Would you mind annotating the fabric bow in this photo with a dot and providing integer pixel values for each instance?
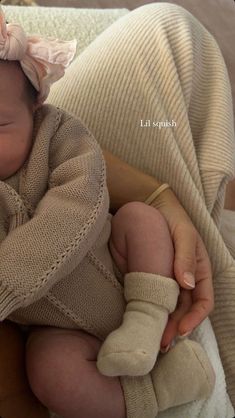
(43, 60)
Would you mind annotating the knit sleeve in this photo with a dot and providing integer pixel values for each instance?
(65, 225)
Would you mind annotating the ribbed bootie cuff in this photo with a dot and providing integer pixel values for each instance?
(153, 288)
(140, 397)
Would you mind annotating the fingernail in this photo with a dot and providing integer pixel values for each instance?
(184, 335)
(165, 349)
(189, 279)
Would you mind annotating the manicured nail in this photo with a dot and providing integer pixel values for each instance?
(189, 279)
(184, 335)
(165, 349)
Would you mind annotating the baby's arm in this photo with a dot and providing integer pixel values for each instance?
(66, 222)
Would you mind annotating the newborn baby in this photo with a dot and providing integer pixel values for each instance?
(56, 240)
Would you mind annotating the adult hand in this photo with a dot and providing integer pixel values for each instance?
(195, 302)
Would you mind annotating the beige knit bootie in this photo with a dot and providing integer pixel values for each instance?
(133, 348)
(182, 375)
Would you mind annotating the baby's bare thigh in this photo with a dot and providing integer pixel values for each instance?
(48, 338)
(57, 361)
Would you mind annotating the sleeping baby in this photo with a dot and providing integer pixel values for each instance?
(66, 263)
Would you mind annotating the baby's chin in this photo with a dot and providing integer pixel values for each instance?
(6, 176)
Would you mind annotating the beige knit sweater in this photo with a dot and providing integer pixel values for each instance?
(54, 230)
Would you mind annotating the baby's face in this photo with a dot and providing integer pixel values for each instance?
(16, 120)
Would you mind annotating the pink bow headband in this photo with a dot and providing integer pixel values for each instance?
(43, 60)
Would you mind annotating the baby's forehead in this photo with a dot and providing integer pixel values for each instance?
(6, 65)
(11, 79)
(10, 68)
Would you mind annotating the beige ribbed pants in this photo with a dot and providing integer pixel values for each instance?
(158, 64)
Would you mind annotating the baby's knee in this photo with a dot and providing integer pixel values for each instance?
(130, 224)
(135, 217)
(164, 13)
(163, 8)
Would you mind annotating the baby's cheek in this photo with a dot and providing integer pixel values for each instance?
(13, 153)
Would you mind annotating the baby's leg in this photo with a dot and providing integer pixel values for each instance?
(142, 248)
(140, 240)
(63, 375)
(62, 372)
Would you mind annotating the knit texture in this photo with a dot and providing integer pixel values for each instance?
(133, 348)
(160, 290)
(49, 226)
(159, 63)
(137, 405)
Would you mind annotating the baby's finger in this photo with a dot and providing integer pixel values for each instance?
(200, 308)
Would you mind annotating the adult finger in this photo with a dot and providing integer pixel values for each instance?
(172, 328)
(185, 242)
(202, 294)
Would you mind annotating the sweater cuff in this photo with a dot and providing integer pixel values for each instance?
(139, 395)
(9, 302)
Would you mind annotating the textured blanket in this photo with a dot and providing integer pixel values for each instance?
(19, 2)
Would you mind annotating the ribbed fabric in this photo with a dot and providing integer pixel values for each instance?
(159, 63)
(227, 229)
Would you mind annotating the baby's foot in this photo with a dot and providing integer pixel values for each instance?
(182, 375)
(133, 348)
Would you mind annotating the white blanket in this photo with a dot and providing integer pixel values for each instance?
(218, 405)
